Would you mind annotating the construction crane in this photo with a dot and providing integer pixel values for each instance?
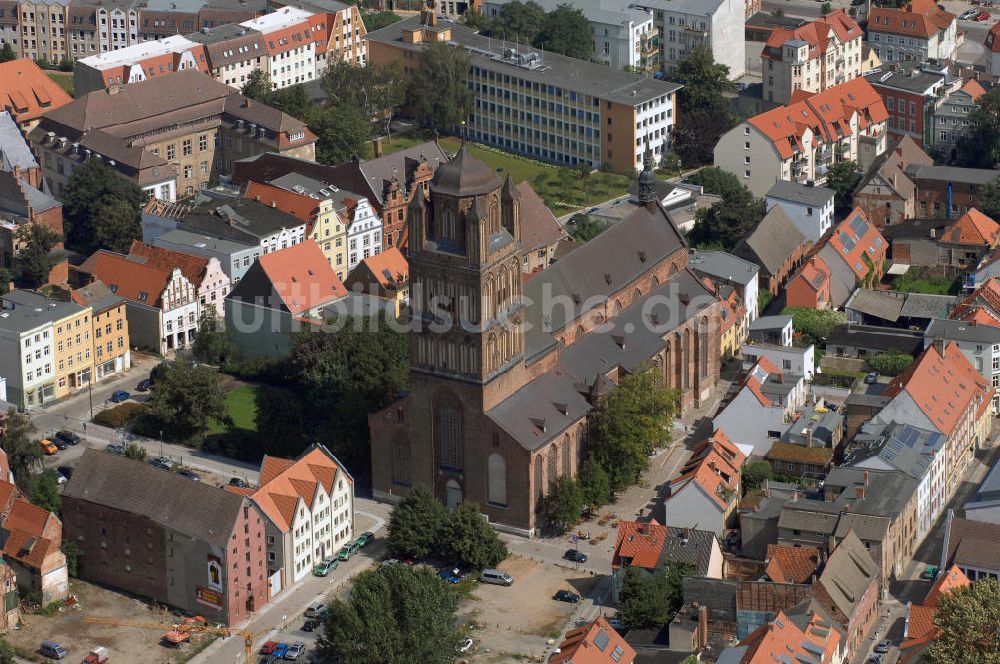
(196, 625)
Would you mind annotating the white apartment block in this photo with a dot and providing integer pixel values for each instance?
(800, 142)
(364, 231)
(918, 32)
(813, 57)
(27, 355)
(135, 63)
(684, 24)
(117, 27)
(290, 44)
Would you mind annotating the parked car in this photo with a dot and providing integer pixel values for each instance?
(98, 655)
(115, 448)
(61, 479)
(871, 378)
(316, 609)
(52, 649)
(466, 646)
(295, 650)
(70, 437)
(348, 550)
(968, 15)
(238, 482)
(268, 647)
(883, 646)
(983, 16)
(47, 446)
(310, 624)
(449, 576)
(496, 577)
(929, 573)
(567, 596)
(60, 443)
(365, 537)
(190, 474)
(576, 556)
(65, 471)
(325, 567)
(279, 651)
(144, 385)
(119, 396)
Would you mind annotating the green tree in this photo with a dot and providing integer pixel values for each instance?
(7, 53)
(705, 82)
(258, 85)
(567, 31)
(754, 474)
(375, 90)
(584, 228)
(651, 600)
(989, 199)
(19, 442)
(342, 132)
(563, 505)
(476, 20)
(416, 523)
(815, 324)
(213, 343)
(825, 8)
(7, 654)
(186, 397)
(729, 220)
(629, 423)
(280, 421)
(967, 620)
(34, 258)
(6, 276)
(134, 450)
(694, 140)
(438, 91)
(595, 485)
(292, 100)
(719, 182)
(101, 210)
(519, 22)
(467, 539)
(980, 145)
(378, 20)
(395, 615)
(71, 550)
(892, 363)
(843, 178)
(45, 491)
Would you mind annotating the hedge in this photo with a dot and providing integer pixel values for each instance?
(120, 415)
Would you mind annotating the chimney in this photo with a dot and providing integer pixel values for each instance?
(377, 147)
(809, 436)
(866, 478)
(939, 345)
(702, 627)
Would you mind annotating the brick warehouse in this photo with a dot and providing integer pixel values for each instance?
(498, 410)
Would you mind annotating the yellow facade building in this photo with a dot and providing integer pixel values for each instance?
(109, 329)
(74, 357)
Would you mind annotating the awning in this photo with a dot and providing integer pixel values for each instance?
(897, 269)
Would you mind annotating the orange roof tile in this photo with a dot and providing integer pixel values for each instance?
(301, 206)
(987, 297)
(127, 278)
(993, 38)
(756, 378)
(389, 267)
(943, 387)
(921, 18)
(714, 465)
(972, 228)
(284, 482)
(854, 239)
(973, 87)
(192, 267)
(953, 578)
(27, 92)
(27, 517)
(780, 637)
(26, 548)
(789, 564)
(920, 628)
(302, 277)
(814, 273)
(639, 541)
(816, 33)
(587, 645)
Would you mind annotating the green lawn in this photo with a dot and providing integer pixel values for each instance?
(918, 281)
(241, 404)
(63, 80)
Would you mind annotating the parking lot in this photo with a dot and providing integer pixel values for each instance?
(519, 621)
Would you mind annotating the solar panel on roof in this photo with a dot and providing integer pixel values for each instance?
(847, 241)
(601, 640)
(859, 226)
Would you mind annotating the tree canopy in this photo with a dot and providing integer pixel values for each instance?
(815, 324)
(843, 178)
(704, 80)
(258, 85)
(651, 600)
(375, 90)
(183, 398)
(34, 259)
(7, 53)
(415, 524)
(694, 139)
(563, 505)
(394, 615)
(213, 343)
(731, 219)
(342, 131)
(468, 540)
(438, 91)
(101, 210)
(969, 623)
(980, 146)
(519, 22)
(567, 31)
(23, 453)
(45, 491)
(989, 199)
(378, 20)
(629, 423)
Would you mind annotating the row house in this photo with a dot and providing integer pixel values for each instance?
(913, 96)
(809, 207)
(980, 343)
(707, 492)
(725, 269)
(811, 58)
(803, 636)
(127, 127)
(777, 246)
(234, 255)
(919, 31)
(31, 543)
(161, 303)
(112, 351)
(961, 245)
(801, 141)
(851, 254)
(763, 407)
(386, 276)
(942, 392)
(919, 626)
(952, 123)
(158, 535)
(205, 274)
(887, 194)
(291, 45)
(948, 191)
(308, 508)
(848, 588)
(246, 222)
(138, 62)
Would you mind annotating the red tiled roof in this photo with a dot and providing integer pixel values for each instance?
(127, 278)
(302, 277)
(715, 465)
(192, 267)
(790, 564)
(754, 382)
(816, 33)
(814, 273)
(583, 645)
(986, 297)
(972, 228)
(640, 541)
(389, 268)
(973, 87)
(943, 387)
(993, 38)
(953, 578)
(279, 495)
(778, 638)
(852, 246)
(920, 628)
(27, 92)
(301, 206)
(25, 527)
(921, 18)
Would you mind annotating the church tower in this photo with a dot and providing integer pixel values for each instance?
(465, 273)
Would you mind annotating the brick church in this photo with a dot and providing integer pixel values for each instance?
(504, 372)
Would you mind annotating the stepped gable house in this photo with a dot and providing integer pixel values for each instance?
(497, 410)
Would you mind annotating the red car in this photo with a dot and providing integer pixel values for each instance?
(984, 16)
(268, 647)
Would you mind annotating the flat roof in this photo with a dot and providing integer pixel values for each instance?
(800, 193)
(137, 52)
(580, 76)
(283, 18)
(26, 310)
(724, 266)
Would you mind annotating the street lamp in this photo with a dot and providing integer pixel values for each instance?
(161, 443)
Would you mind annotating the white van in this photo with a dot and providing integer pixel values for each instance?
(496, 577)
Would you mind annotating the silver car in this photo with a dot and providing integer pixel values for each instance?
(295, 650)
